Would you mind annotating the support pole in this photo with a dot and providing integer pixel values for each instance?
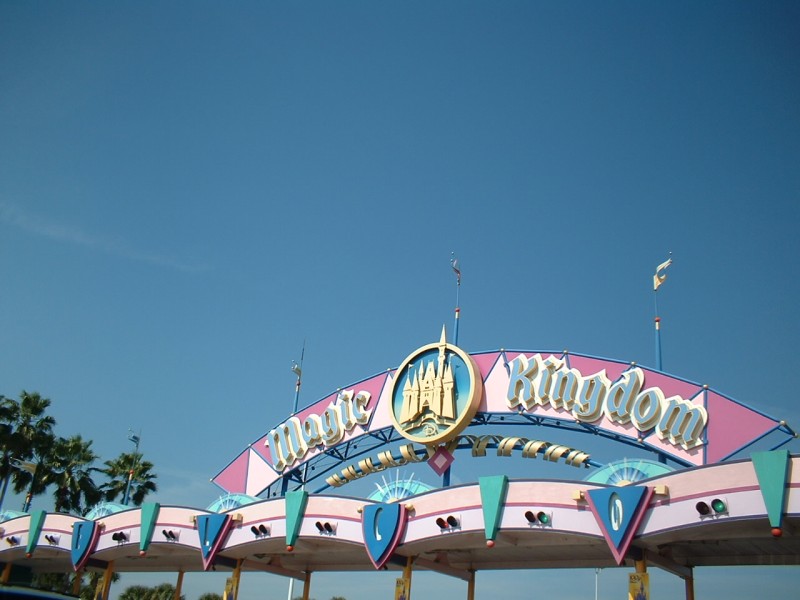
(641, 565)
(135, 439)
(104, 585)
(307, 585)
(689, 586)
(659, 278)
(457, 271)
(407, 576)
(237, 575)
(471, 585)
(76, 583)
(178, 586)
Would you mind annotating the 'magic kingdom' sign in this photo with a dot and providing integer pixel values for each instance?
(439, 390)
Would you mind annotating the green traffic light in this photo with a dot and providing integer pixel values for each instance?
(543, 518)
(718, 505)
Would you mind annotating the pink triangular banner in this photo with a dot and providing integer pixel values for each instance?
(233, 479)
(732, 426)
(259, 474)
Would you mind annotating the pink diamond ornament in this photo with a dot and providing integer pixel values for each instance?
(441, 460)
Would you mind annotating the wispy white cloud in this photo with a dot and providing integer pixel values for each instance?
(58, 232)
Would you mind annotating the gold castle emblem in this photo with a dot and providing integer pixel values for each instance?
(430, 393)
(435, 394)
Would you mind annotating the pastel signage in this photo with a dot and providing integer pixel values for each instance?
(538, 381)
(439, 390)
(435, 393)
(292, 439)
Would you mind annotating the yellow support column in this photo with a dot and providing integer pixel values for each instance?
(307, 585)
(641, 565)
(104, 585)
(689, 585)
(640, 579)
(407, 576)
(76, 583)
(178, 586)
(237, 574)
(6, 573)
(471, 585)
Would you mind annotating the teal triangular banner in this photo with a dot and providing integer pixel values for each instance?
(84, 537)
(772, 471)
(295, 511)
(493, 499)
(35, 530)
(618, 511)
(212, 530)
(149, 517)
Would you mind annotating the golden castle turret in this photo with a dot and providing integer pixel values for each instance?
(430, 391)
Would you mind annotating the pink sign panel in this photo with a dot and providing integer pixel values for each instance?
(674, 417)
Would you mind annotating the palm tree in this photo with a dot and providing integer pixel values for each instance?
(7, 416)
(27, 434)
(128, 466)
(164, 591)
(69, 469)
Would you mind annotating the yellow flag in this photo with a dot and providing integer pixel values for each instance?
(660, 275)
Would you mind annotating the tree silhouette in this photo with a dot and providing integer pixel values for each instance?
(128, 465)
(69, 469)
(165, 591)
(27, 435)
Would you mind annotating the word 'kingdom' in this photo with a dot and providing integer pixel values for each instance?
(539, 382)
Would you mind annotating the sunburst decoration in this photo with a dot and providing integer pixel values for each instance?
(398, 488)
(104, 509)
(229, 501)
(628, 470)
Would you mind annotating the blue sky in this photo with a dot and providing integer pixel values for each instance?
(188, 191)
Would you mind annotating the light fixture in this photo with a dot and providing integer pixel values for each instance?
(326, 527)
(121, 536)
(713, 508)
(539, 517)
(260, 531)
(448, 523)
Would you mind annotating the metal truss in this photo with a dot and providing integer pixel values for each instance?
(325, 463)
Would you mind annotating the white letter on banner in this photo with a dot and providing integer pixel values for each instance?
(591, 395)
(682, 422)
(646, 410)
(622, 394)
(520, 384)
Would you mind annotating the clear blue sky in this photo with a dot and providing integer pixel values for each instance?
(188, 191)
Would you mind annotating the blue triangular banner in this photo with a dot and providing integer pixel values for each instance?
(383, 526)
(618, 511)
(84, 537)
(212, 530)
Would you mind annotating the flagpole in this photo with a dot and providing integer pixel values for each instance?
(457, 271)
(659, 278)
(297, 370)
(657, 322)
